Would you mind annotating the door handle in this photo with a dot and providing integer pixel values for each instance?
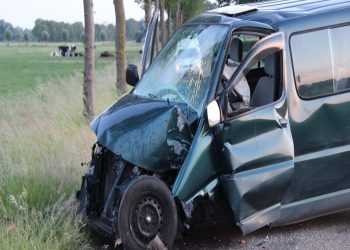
(283, 122)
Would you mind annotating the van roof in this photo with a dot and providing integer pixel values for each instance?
(276, 11)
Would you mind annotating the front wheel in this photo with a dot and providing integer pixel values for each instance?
(147, 209)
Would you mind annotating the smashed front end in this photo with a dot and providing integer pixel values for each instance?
(154, 151)
(135, 137)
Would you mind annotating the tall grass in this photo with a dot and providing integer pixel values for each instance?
(44, 138)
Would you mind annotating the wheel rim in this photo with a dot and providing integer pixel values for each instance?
(146, 219)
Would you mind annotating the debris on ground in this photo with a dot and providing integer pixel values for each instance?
(117, 243)
(244, 242)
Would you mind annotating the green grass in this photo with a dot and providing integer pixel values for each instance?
(24, 66)
(44, 139)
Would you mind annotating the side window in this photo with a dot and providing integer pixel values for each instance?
(320, 61)
(248, 42)
(240, 46)
(255, 88)
(340, 39)
(265, 83)
(312, 61)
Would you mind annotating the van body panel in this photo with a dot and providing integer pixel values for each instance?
(200, 166)
(257, 154)
(255, 195)
(313, 207)
(313, 21)
(320, 127)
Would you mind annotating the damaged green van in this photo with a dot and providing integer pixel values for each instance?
(244, 115)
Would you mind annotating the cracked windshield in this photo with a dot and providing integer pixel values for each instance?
(182, 71)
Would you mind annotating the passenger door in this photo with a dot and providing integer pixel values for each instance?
(256, 150)
(149, 48)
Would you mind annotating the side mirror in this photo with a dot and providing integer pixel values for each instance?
(132, 75)
(213, 113)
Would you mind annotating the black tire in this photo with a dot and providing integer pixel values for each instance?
(147, 209)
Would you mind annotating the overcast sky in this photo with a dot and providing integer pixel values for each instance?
(23, 13)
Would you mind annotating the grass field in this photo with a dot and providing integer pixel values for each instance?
(25, 66)
(44, 139)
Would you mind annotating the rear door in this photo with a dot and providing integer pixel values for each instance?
(320, 121)
(149, 48)
(256, 149)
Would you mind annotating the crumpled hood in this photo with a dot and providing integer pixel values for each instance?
(152, 134)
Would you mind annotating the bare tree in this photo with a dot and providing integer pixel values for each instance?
(156, 6)
(171, 8)
(120, 45)
(169, 24)
(148, 10)
(162, 22)
(178, 16)
(89, 60)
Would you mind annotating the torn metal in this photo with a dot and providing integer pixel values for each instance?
(152, 134)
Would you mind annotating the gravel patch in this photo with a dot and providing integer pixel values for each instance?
(329, 232)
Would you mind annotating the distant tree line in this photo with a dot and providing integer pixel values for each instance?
(179, 12)
(174, 13)
(52, 31)
(9, 33)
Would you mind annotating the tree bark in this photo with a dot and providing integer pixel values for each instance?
(120, 46)
(162, 22)
(181, 17)
(148, 14)
(178, 16)
(169, 24)
(88, 97)
(156, 5)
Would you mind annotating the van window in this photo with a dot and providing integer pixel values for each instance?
(320, 61)
(312, 63)
(340, 39)
(248, 42)
(239, 48)
(254, 88)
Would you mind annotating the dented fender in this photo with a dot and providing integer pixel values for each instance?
(150, 133)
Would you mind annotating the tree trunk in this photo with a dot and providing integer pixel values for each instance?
(88, 98)
(169, 24)
(181, 17)
(156, 5)
(148, 9)
(162, 22)
(178, 16)
(120, 45)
